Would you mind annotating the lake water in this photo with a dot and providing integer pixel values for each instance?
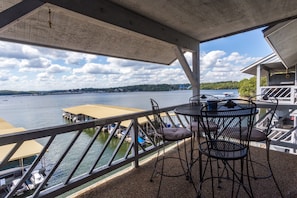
(32, 112)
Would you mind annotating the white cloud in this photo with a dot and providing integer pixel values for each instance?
(209, 59)
(225, 67)
(29, 67)
(35, 64)
(30, 51)
(95, 68)
(9, 63)
(57, 69)
(4, 77)
(72, 58)
(44, 77)
(89, 57)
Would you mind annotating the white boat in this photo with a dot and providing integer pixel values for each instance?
(36, 177)
(228, 94)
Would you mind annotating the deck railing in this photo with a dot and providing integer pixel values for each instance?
(285, 94)
(81, 156)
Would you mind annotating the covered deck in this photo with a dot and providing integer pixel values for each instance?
(152, 31)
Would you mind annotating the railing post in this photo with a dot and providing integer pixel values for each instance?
(135, 164)
(292, 95)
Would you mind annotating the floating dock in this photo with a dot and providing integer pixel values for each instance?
(98, 111)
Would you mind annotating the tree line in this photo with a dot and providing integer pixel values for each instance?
(245, 87)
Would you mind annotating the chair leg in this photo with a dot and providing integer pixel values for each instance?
(155, 166)
(247, 171)
(185, 170)
(270, 168)
(211, 175)
(184, 163)
(252, 164)
(155, 171)
(161, 175)
(202, 172)
(188, 163)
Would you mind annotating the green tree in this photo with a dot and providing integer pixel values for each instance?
(247, 87)
(263, 81)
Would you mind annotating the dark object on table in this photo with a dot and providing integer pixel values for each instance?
(230, 104)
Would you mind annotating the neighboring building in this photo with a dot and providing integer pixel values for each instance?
(282, 84)
(281, 81)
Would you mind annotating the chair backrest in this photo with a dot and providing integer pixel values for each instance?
(197, 99)
(264, 124)
(157, 122)
(234, 119)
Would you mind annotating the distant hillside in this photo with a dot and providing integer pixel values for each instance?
(134, 88)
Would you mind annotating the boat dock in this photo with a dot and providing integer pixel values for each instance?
(98, 111)
(12, 171)
(28, 148)
(95, 111)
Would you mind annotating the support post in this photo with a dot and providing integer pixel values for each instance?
(196, 70)
(295, 82)
(258, 80)
(194, 77)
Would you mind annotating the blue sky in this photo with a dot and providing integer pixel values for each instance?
(24, 67)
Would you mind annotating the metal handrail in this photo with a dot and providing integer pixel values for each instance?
(134, 152)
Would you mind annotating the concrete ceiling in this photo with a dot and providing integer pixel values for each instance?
(145, 30)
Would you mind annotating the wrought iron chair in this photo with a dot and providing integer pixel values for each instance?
(172, 134)
(260, 133)
(194, 125)
(232, 116)
(200, 100)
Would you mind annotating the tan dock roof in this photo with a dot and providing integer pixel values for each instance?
(4, 124)
(99, 111)
(27, 149)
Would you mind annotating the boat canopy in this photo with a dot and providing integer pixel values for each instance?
(98, 111)
(27, 149)
(5, 125)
